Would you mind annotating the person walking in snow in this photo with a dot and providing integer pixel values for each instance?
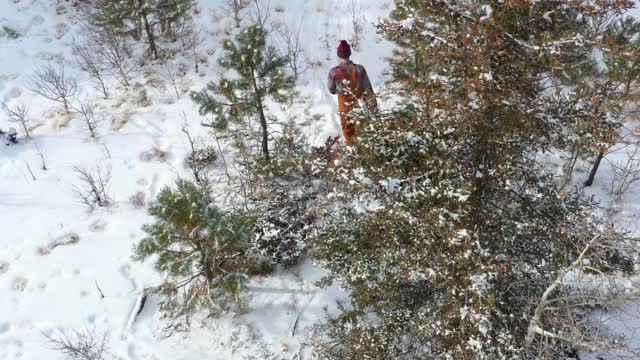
(351, 83)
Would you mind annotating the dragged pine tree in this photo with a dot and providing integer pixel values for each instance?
(203, 250)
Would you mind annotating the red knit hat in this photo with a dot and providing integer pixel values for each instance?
(344, 50)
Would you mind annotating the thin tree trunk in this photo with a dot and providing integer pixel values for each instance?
(592, 175)
(263, 119)
(104, 89)
(123, 75)
(570, 165)
(206, 262)
(31, 172)
(152, 40)
(236, 16)
(149, 31)
(26, 130)
(263, 124)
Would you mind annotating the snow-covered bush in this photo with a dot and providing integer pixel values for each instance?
(138, 200)
(200, 159)
(281, 229)
(203, 250)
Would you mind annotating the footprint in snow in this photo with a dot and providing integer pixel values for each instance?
(19, 283)
(4, 267)
(4, 327)
(37, 20)
(98, 225)
(142, 182)
(61, 30)
(13, 93)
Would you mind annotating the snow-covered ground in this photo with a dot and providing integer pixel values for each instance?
(41, 290)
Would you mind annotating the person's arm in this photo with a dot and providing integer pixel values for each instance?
(365, 84)
(331, 81)
(370, 95)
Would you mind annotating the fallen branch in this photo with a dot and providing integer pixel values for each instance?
(31, 172)
(534, 324)
(295, 324)
(98, 287)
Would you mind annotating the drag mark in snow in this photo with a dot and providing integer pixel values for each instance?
(137, 308)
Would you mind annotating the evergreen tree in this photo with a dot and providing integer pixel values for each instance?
(462, 236)
(134, 16)
(202, 248)
(261, 74)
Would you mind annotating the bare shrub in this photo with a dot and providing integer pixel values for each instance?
(358, 21)
(115, 53)
(90, 120)
(18, 114)
(85, 344)
(88, 57)
(261, 12)
(626, 174)
(192, 40)
(169, 74)
(93, 191)
(41, 155)
(138, 200)
(54, 84)
(198, 159)
(153, 154)
(298, 61)
(235, 7)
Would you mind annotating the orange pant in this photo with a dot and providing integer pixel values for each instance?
(346, 104)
